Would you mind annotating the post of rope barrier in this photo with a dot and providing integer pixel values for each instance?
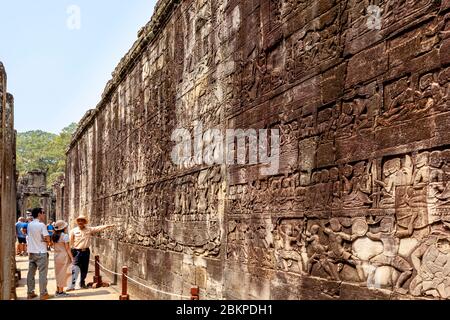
(97, 276)
(98, 282)
(195, 293)
(124, 295)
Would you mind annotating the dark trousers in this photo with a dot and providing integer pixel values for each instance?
(81, 259)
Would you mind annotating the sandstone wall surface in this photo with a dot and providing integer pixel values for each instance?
(7, 191)
(359, 207)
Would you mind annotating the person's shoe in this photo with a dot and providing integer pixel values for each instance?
(62, 294)
(84, 286)
(45, 297)
(31, 296)
(70, 289)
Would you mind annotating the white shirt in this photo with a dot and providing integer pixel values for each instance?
(64, 238)
(82, 237)
(36, 232)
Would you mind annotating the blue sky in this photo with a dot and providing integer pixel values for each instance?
(57, 73)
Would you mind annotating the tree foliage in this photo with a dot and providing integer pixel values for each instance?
(44, 151)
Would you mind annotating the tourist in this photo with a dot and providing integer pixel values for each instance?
(80, 241)
(63, 257)
(21, 237)
(50, 229)
(25, 225)
(38, 240)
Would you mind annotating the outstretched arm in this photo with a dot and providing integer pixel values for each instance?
(102, 228)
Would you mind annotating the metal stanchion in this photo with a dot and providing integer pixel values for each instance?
(97, 282)
(195, 293)
(124, 295)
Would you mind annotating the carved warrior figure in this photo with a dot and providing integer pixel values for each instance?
(394, 175)
(285, 252)
(390, 238)
(439, 174)
(431, 259)
(398, 108)
(312, 192)
(345, 120)
(336, 201)
(319, 253)
(436, 172)
(324, 188)
(360, 187)
(416, 194)
(337, 252)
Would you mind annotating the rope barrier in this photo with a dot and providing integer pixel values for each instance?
(141, 284)
(159, 291)
(107, 270)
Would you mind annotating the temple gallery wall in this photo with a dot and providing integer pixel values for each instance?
(8, 179)
(360, 206)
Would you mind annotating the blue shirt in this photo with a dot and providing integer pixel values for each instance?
(19, 226)
(50, 229)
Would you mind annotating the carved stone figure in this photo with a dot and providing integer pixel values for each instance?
(336, 188)
(319, 253)
(360, 187)
(390, 238)
(337, 252)
(394, 175)
(431, 260)
(285, 252)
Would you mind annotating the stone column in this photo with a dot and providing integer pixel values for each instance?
(7, 190)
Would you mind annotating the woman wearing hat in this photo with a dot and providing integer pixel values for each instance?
(63, 257)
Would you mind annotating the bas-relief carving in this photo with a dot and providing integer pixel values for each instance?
(406, 101)
(198, 45)
(161, 224)
(316, 43)
(365, 252)
(393, 9)
(369, 222)
(390, 10)
(431, 260)
(375, 222)
(353, 115)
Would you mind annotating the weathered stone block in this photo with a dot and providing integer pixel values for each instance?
(367, 65)
(332, 84)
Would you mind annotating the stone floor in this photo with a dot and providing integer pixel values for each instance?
(107, 293)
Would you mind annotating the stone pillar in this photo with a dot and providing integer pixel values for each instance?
(58, 192)
(7, 190)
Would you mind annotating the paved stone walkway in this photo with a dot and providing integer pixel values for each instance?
(108, 293)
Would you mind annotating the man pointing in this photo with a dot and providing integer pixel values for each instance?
(80, 241)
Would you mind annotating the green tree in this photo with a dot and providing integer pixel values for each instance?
(44, 151)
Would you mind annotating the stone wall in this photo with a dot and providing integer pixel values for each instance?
(7, 191)
(32, 192)
(58, 197)
(359, 206)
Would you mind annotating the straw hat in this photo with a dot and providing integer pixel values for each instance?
(60, 225)
(82, 217)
